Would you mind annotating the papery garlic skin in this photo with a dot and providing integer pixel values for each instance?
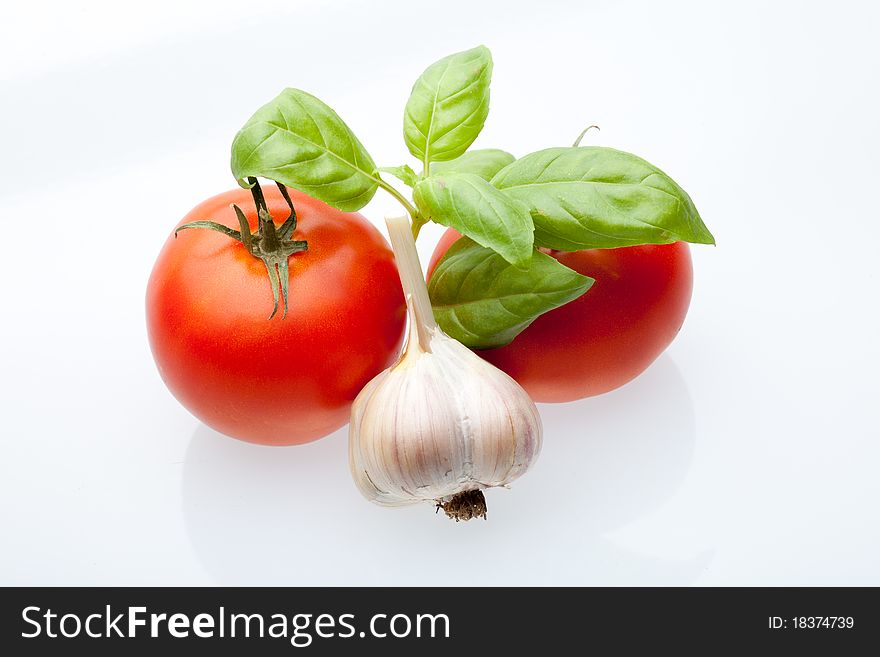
(441, 421)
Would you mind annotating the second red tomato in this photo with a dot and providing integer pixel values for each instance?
(608, 336)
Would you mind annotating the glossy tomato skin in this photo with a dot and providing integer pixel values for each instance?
(279, 381)
(606, 337)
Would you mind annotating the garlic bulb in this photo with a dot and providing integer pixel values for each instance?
(441, 424)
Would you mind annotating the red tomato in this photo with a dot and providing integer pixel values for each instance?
(279, 381)
(606, 337)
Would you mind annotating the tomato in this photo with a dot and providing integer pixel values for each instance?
(286, 380)
(606, 337)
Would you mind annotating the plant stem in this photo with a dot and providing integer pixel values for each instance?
(410, 208)
(417, 224)
(412, 279)
(577, 142)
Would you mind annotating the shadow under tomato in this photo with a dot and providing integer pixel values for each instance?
(291, 515)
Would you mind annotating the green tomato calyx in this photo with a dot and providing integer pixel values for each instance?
(269, 243)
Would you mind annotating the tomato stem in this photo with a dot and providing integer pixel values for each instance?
(259, 201)
(270, 243)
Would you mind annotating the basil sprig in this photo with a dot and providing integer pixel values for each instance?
(494, 282)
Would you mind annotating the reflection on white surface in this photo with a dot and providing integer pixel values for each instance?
(629, 450)
(263, 515)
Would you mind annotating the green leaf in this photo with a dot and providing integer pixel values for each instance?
(404, 173)
(484, 162)
(300, 142)
(448, 106)
(594, 197)
(484, 302)
(473, 207)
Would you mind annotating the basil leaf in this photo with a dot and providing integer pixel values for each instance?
(482, 301)
(300, 142)
(404, 174)
(473, 207)
(448, 105)
(593, 197)
(484, 162)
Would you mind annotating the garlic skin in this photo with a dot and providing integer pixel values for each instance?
(441, 422)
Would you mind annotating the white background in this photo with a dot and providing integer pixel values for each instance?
(748, 454)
